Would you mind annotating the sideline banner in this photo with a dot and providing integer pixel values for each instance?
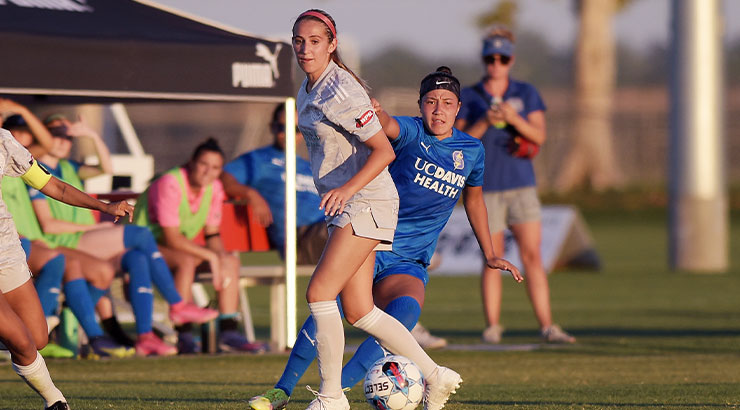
(565, 242)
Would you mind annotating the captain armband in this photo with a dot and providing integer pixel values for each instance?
(36, 176)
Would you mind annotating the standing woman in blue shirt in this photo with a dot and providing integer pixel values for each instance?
(349, 156)
(506, 115)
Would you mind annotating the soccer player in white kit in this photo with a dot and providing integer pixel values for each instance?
(23, 327)
(349, 155)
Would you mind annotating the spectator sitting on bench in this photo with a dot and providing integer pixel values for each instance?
(259, 177)
(176, 207)
(139, 256)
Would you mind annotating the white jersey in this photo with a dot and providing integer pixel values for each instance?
(336, 118)
(15, 161)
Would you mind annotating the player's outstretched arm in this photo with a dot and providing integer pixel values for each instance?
(68, 194)
(475, 208)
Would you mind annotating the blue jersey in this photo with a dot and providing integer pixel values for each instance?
(430, 176)
(264, 170)
(503, 171)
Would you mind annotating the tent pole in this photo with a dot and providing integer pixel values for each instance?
(290, 221)
(127, 129)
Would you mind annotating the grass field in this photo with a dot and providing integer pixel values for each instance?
(647, 338)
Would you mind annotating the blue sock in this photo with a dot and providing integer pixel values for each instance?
(407, 310)
(95, 293)
(141, 238)
(78, 299)
(49, 284)
(139, 288)
(302, 355)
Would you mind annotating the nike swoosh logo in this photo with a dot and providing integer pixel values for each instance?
(442, 82)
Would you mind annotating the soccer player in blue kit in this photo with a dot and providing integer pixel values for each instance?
(435, 164)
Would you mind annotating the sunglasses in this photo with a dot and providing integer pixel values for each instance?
(504, 60)
(60, 131)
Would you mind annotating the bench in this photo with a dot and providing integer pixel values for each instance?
(240, 232)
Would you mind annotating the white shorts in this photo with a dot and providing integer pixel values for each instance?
(13, 276)
(376, 220)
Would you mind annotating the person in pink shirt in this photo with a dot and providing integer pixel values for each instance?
(179, 205)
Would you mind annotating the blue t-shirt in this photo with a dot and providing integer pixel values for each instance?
(264, 170)
(430, 176)
(57, 172)
(503, 171)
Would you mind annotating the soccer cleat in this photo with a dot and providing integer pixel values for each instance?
(233, 341)
(427, 340)
(493, 333)
(554, 334)
(273, 399)
(186, 343)
(103, 346)
(438, 387)
(59, 405)
(53, 350)
(148, 344)
(322, 402)
(185, 312)
(113, 328)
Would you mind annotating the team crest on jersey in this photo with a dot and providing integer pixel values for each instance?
(516, 103)
(363, 119)
(457, 157)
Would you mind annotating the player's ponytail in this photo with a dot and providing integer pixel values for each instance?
(331, 32)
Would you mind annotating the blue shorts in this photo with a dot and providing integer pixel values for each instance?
(388, 263)
(26, 244)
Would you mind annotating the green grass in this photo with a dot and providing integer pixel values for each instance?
(648, 338)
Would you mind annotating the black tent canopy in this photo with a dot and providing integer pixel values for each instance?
(125, 50)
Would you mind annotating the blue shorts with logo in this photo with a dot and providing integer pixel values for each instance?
(389, 263)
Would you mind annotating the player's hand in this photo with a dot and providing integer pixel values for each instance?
(508, 112)
(9, 106)
(503, 264)
(495, 115)
(334, 201)
(119, 209)
(376, 105)
(261, 210)
(80, 128)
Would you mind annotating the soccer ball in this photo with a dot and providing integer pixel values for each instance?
(394, 383)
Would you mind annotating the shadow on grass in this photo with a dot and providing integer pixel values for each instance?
(607, 331)
(550, 404)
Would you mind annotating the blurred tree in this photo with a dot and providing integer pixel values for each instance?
(591, 156)
(504, 13)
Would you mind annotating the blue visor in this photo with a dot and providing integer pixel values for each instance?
(497, 45)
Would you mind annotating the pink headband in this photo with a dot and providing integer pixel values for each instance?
(320, 17)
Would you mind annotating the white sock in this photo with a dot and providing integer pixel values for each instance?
(329, 346)
(37, 376)
(394, 336)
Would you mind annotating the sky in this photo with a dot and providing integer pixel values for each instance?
(431, 27)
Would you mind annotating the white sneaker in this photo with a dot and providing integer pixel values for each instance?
(554, 334)
(427, 340)
(439, 387)
(322, 402)
(493, 333)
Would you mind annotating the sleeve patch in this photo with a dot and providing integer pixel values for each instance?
(365, 118)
